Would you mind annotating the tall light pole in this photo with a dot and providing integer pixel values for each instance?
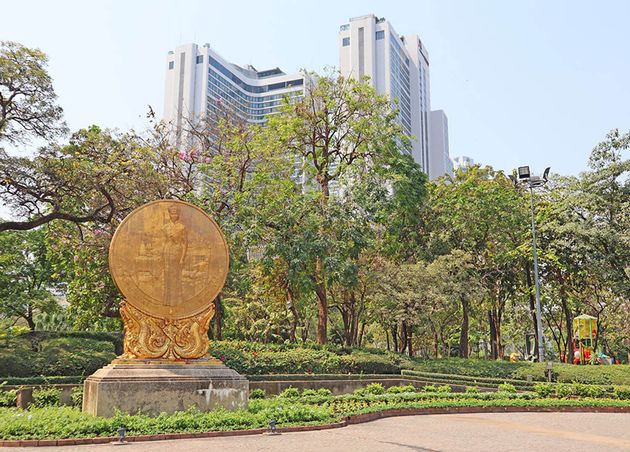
(532, 182)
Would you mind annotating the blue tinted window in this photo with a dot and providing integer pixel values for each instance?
(199, 59)
(380, 35)
(345, 42)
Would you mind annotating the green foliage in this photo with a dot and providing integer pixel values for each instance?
(401, 389)
(472, 390)
(55, 356)
(622, 392)
(65, 422)
(290, 393)
(375, 388)
(507, 387)
(29, 107)
(429, 388)
(257, 394)
(324, 392)
(444, 388)
(77, 396)
(44, 397)
(309, 393)
(254, 358)
(7, 397)
(544, 389)
(500, 371)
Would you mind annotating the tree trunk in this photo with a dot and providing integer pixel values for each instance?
(493, 344)
(463, 334)
(320, 286)
(322, 304)
(395, 337)
(361, 331)
(410, 341)
(495, 333)
(29, 318)
(294, 315)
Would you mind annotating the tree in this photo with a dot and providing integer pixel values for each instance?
(25, 276)
(339, 122)
(98, 176)
(27, 99)
(479, 212)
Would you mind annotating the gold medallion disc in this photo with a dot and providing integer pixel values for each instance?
(169, 259)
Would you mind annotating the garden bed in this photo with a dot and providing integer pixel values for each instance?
(309, 408)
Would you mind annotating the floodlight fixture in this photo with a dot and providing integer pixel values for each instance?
(523, 172)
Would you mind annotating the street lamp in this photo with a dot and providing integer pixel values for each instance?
(525, 177)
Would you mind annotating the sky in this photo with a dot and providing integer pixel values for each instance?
(533, 82)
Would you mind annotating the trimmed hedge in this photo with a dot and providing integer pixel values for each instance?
(563, 373)
(255, 359)
(465, 380)
(43, 380)
(24, 356)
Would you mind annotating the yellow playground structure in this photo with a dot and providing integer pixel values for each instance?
(584, 339)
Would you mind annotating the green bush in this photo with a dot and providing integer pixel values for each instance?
(257, 394)
(77, 396)
(472, 389)
(506, 387)
(622, 392)
(70, 356)
(8, 398)
(444, 388)
(429, 388)
(544, 389)
(375, 388)
(565, 373)
(324, 392)
(401, 389)
(42, 379)
(46, 397)
(309, 393)
(290, 393)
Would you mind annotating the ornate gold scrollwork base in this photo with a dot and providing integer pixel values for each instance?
(148, 337)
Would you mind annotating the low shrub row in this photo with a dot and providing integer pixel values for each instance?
(255, 359)
(67, 356)
(44, 380)
(467, 380)
(562, 390)
(505, 370)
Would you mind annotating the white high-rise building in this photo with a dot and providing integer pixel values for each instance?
(439, 160)
(198, 79)
(399, 67)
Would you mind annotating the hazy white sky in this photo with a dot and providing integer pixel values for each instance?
(522, 82)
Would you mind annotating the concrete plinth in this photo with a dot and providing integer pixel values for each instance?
(154, 386)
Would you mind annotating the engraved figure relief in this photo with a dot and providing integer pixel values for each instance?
(174, 253)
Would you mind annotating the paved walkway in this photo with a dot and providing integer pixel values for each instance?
(494, 432)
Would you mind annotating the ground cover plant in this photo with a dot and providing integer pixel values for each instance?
(292, 407)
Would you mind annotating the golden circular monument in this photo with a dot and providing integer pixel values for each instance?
(170, 260)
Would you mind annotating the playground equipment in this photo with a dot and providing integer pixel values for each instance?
(584, 338)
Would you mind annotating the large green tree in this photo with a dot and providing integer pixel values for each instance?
(28, 105)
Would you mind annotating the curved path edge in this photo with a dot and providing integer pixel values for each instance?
(349, 420)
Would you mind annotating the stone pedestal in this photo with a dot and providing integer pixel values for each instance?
(156, 386)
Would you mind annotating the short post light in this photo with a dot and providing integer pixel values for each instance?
(122, 431)
(525, 177)
(273, 428)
